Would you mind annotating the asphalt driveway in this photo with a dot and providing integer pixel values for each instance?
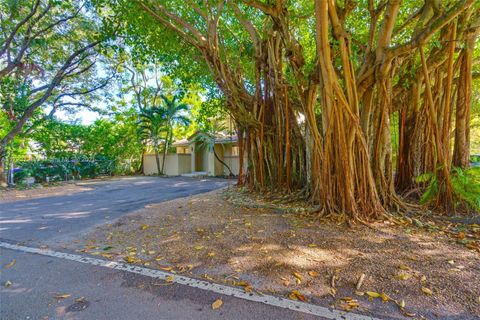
(53, 220)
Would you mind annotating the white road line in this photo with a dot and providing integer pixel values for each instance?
(195, 283)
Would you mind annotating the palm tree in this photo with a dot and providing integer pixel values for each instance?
(173, 109)
(206, 138)
(152, 123)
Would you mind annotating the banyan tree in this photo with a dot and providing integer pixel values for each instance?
(344, 102)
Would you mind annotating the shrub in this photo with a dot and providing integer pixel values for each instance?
(465, 185)
(57, 169)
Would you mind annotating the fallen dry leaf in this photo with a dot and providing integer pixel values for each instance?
(10, 264)
(384, 297)
(186, 268)
(206, 276)
(198, 247)
(333, 292)
(298, 277)
(62, 296)
(349, 303)
(107, 255)
(169, 279)
(403, 267)
(130, 259)
(312, 273)
(427, 291)
(360, 281)
(246, 286)
(169, 268)
(296, 295)
(402, 276)
(372, 294)
(217, 304)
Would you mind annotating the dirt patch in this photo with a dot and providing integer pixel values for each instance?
(410, 271)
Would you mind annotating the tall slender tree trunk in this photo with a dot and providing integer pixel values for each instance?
(444, 195)
(461, 151)
(241, 155)
(3, 178)
(165, 150)
(157, 155)
(142, 161)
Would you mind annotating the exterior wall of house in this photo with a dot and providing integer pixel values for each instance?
(190, 158)
(175, 164)
(183, 149)
(232, 159)
(184, 163)
(234, 163)
(201, 159)
(218, 168)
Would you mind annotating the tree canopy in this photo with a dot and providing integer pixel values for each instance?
(353, 72)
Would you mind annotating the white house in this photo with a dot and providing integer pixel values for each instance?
(191, 159)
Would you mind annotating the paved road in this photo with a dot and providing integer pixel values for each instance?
(56, 219)
(110, 294)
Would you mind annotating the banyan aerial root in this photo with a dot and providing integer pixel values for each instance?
(347, 101)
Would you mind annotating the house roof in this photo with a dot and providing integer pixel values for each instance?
(220, 138)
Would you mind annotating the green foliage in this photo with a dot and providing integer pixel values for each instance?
(114, 141)
(175, 114)
(58, 170)
(49, 61)
(151, 125)
(213, 108)
(465, 184)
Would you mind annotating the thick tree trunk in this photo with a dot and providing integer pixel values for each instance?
(408, 155)
(381, 160)
(347, 181)
(3, 177)
(461, 151)
(241, 154)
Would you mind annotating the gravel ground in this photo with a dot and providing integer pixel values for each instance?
(409, 271)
